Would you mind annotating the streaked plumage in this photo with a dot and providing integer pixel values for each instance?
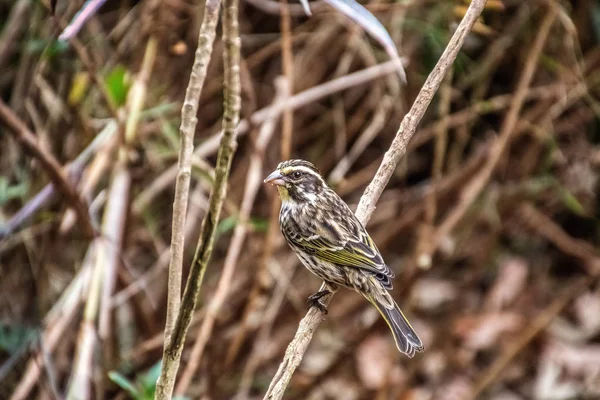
(333, 244)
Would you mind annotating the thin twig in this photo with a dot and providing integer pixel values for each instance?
(424, 249)
(366, 207)
(44, 195)
(13, 27)
(263, 282)
(366, 137)
(56, 323)
(288, 71)
(308, 96)
(308, 325)
(546, 227)
(476, 185)
(541, 321)
(51, 166)
(232, 103)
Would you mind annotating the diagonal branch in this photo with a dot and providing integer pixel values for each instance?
(474, 187)
(297, 347)
(51, 166)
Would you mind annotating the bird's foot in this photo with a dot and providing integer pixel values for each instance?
(315, 300)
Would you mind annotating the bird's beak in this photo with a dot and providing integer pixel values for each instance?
(275, 178)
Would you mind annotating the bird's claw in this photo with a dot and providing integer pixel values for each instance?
(315, 301)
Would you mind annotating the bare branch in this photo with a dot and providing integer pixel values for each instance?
(296, 349)
(413, 117)
(474, 187)
(51, 166)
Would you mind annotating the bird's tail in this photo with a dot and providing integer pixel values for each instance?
(405, 336)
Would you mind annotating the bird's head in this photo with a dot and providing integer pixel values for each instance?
(297, 181)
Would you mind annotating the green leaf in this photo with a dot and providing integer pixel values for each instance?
(551, 64)
(125, 384)
(118, 84)
(13, 337)
(10, 192)
(260, 224)
(226, 225)
(171, 134)
(48, 48)
(596, 21)
(149, 378)
(571, 201)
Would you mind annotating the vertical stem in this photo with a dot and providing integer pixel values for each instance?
(232, 103)
(187, 129)
(206, 37)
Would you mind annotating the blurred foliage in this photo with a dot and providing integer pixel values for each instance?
(144, 386)
(530, 235)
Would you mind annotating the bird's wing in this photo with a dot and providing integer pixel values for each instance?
(349, 247)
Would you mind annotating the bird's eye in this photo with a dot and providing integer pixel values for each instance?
(296, 174)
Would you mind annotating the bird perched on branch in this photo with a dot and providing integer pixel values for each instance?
(332, 243)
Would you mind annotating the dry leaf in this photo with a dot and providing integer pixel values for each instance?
(485, 331)
(587, 309)
(336, 389)
(433, 365)
(577, 360)
(429, 294)
(374, 359)
(511, 280)
(547, 384)
(419, 393)
(457, 389)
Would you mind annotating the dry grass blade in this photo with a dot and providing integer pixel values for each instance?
(473, 188)
(306, 97)
(547, 228)
(107, 251)
(497, 192)
(51, 166)
(363, 17)
(537, 325)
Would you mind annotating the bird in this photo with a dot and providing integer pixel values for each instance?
(333, 244)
